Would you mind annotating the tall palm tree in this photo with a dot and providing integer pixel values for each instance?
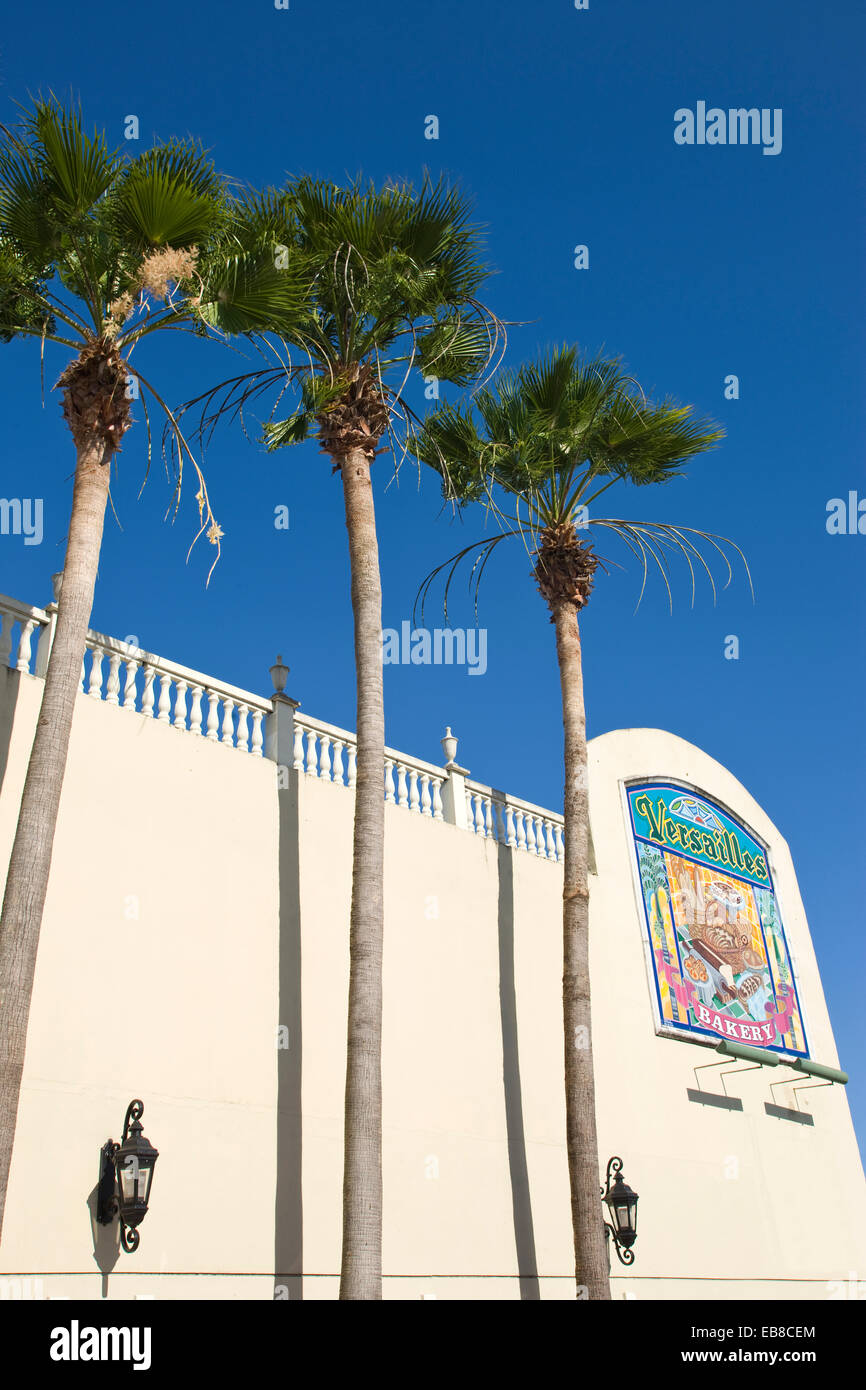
(538, 450)
(393, 276)
(97, 253)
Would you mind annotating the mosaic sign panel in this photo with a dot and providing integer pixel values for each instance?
(720, 962)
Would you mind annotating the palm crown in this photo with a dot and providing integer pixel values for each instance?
(549, 439)
(98, 251)
(387, 281)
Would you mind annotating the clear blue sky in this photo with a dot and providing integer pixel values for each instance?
(704, 261)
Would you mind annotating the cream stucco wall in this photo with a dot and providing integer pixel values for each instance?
(242, 897)
(156, 978)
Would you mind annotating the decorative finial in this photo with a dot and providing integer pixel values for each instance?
(279, 675)
(449, 747)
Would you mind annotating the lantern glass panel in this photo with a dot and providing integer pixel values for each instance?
(145, 1177)
(128, 1173)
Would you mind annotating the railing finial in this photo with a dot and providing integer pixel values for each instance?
(279, 674)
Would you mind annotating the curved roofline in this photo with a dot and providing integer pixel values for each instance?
(707, 758)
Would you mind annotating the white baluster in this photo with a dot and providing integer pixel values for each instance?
(95, 686)
(539, 837)
(243, 728)
(426, 799)
(521, 830)
(402, 789)
(257, 740)
(24, 645)
(112, 688)
(437, 799)
(560, 843)
(488, 818)
(499, 831)
(414, 798)
(298, 749)
(195, 710)
(164, 706)
(510, 836)
(228, 722)
(353, 765)
(180, 691)
(212, 718)
(311, 753)
(549, 840)
(470, 812)
(147, 691)
(389, 780)
(339, 745)
(129, 691)
(5, 637)
(325, 757)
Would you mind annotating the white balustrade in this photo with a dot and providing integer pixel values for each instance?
(19, 655)
(317, 749)
(185, 688)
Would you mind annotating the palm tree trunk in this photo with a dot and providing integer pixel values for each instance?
(590, 1252)
(30, 864)
(361, 1271)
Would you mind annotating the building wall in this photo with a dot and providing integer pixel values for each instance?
(222, 1006)
(176, 1005)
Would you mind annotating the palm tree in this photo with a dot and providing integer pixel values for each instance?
(97, 253)
(537, 451)
(393, 275)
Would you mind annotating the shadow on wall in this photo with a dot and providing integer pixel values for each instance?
(521, 1201)
(289, 1217)
(10, 682)
(106, 1241)
(289, 1228)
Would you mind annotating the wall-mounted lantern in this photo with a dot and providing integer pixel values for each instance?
(622, 1205)
(125, 1178)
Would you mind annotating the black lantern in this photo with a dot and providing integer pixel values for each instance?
(622, 1204)
(126, 1177)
